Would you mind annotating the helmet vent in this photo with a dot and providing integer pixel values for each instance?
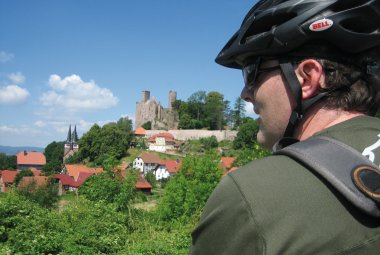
(265, 24)
(346, 5)
(360, 25)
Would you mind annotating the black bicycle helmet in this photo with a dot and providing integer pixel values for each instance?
(342, 30)
(277, 27)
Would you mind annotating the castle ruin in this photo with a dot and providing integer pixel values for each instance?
(151, 110)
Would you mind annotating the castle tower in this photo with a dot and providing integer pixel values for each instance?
(145, 96)
(172, 98)
(71, 144)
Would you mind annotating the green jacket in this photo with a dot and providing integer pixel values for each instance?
(276, 206)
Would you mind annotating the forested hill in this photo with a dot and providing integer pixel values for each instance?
(10, 150)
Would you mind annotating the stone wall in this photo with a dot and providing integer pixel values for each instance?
(193, 134)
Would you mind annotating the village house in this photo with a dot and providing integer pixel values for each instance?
(162, 142)
(140, 132)
(31, 159)
(32, 182)
(74, 170)
(73, 176)
(7, 178)
(146, 162)
(143, 185)
(166, 169)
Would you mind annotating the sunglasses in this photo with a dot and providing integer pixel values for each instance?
(252, 71)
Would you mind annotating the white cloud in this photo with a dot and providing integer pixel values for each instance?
(13, 94)
(249, 108)
(74, 94)
(5, 57)
(17, 78)
(18, 130)
(40, 123)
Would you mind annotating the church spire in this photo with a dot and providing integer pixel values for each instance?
(68, 140)
(74, 135)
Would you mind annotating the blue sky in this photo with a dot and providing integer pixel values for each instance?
(86, 61)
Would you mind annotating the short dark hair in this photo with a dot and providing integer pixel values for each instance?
(351, 88)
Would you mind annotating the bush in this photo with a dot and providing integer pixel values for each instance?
(189, 190)
(46, 195)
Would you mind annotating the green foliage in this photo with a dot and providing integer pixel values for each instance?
(189, 189)
(151, 178)
(147, 125)
(76, 158)
(109, 189)
(214, 111)
(22, 174)
(54, 157)
(246, 136)
(8, 162)
(154, 237)
(246, 155)
(125, 124)
(209, 142)
(100, 187)
(82, 227)
(100, 143)
(238, 112)
(45, 195)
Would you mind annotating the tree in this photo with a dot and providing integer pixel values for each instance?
(188, 191)
(54, 157)
(22, 174)
(214, 110)
(8, 162)
(246, 136)
(125, 124)
(100, 143)
(147, 125)
(196, 104)
(238, 112)
(45, 195)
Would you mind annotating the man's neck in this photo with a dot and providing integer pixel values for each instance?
(317, 119)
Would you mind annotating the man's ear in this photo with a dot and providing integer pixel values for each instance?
(310, 75)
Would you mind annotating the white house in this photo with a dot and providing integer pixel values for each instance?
(146, 162)
(167, 168)
(161, 142)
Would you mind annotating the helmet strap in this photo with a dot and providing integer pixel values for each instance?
(295, 87)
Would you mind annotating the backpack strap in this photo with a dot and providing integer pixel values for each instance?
(349, 172)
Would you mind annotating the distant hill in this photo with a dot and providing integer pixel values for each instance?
(10, 150)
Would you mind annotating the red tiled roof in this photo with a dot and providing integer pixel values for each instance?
(142, 183)
(31, 158)
(150, 158)
(40, 181)
(140, 131)
(81, 178)
(64, 178)
(172, 165)
(227, 162)
(36, 172)
(168, 137)
(74, 170)
(9, 175)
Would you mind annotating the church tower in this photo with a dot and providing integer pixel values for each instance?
(71, 144)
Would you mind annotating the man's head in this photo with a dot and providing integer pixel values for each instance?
(323, 51)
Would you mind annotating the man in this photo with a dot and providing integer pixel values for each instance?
(311, 68)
